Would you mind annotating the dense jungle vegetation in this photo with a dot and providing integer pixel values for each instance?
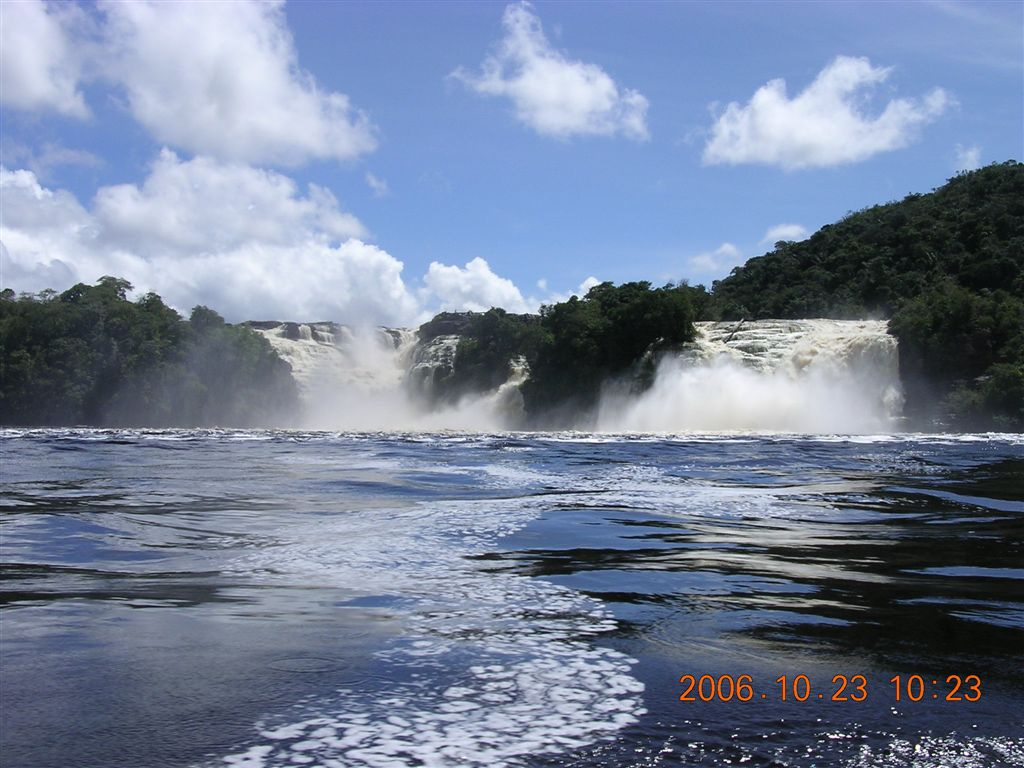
(947, 268)
(572, 347)
(89, 356)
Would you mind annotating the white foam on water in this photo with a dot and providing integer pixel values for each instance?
(843, 748)
(489, 669)
(950, 751)
(755, 435)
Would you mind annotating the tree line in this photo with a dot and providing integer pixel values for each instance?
(89, 356)
(572, 347)
(946, 267)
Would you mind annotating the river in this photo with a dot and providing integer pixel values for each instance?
(213, 598)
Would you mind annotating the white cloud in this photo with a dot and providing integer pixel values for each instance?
(785, 232)
(822, 126)
(354, 282)
(718, 261)
(553, 297)
(554, 95)
(968, 158)
(48, 238)
(243, 241)
(377, 185)
(39, 64)
(474, 287)
(203, 205)
(238, 96)
(586, 285)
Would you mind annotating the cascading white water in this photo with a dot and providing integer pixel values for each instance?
(382, 379)
(777, 375)
(326, 357)
(774, 375)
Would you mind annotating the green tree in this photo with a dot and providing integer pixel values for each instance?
(91, 356)
(946, 267)
(614, 331)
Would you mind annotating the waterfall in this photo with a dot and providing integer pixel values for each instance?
(432, 360)
(779, 375)
(383, 379)
(775, 375)
(325, 356)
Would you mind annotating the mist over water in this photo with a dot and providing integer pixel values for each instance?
(783, 376)
(786, 376)
(377, 379)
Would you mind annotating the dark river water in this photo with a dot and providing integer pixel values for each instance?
(293, 599)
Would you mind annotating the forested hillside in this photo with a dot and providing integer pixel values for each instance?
(946, 267)
(89, 356)
(970, 230)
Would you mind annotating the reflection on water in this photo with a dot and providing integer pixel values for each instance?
(212, 598)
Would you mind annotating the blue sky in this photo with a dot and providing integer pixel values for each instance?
(377, 162)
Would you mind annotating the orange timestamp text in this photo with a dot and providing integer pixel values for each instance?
(842, 688)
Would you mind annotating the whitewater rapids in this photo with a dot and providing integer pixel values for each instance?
(771, 375)
(796, 376)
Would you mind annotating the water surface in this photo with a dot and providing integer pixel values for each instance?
(203, 598)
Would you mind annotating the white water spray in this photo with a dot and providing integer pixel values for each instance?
(373, 379)
(775, 375)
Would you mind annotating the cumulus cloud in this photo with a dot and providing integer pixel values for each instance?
(784, 232)
(48, 238)
(244, 241)
(553, 297)
(718, 261)
(40, 66)
(474, 287)
(203, 205)
(354, 282)
(822, 126)
(553, 94)
(240, 96)
(45, 159)
(968, 158)
(586, 285)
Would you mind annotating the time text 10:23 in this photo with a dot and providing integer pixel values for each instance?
(843, 688)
